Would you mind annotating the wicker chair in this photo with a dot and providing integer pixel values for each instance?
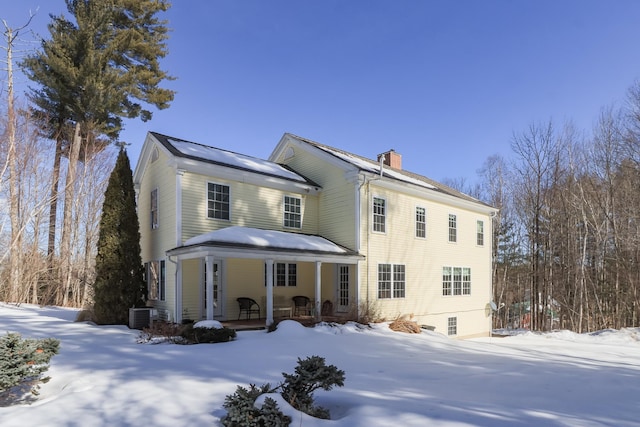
(248, 306)
(301, 305)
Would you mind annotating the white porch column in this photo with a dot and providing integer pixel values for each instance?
(178, 295)
(269, 308)
(318, 296)
(208, 260)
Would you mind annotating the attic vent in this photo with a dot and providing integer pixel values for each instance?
(154, 154)
(289, 153)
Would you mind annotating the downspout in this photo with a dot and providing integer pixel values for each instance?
(177, 284)
(176, 302)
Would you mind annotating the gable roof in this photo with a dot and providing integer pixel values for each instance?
(367, 165)
(217, 156)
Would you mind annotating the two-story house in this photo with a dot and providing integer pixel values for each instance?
(350, 233)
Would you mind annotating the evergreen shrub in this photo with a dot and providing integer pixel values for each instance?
(23, 361)
(207, 335)
(297, 389)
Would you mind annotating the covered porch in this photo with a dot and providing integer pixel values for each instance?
(269, 267)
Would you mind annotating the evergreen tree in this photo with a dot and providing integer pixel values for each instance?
(119, 283)
(95, 70)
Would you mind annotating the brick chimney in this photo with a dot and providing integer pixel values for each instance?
(391, 159)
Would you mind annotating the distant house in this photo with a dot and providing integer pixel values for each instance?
(349, 233)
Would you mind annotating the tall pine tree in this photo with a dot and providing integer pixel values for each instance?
(98, 67)
(119, 283)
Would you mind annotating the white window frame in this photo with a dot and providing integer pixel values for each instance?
(154, 211)
(284, 274)
(156, 276)
(453, 228)
(292, 212)
(452, 326)
(226, 203)
(379, 220)
(421, 222)
(480, 232)
(392, 283)
(456, 281)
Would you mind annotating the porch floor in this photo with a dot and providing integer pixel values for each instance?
(259, 324)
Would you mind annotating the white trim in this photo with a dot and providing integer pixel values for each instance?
(209, 285)
(206, 198)
(415, 222)
(373, 214)
(269, 308)
(284, 204)
(292, 255)
(244, 176)
(179, 174)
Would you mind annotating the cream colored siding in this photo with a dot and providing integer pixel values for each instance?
(250, 206)
(336, 215)
(245, 278)
(423, 260)
(154, 243)
(192, 289)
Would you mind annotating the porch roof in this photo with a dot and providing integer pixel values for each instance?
(247, 242)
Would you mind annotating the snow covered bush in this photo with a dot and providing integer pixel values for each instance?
(23, 361)
(241, 409)
(208, 331)
(311, 374)
(297, 389)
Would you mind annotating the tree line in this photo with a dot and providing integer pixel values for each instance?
(566, 238)
(567, 234)
(99, 65)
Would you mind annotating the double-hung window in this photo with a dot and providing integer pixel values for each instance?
(453, 228)
(391, 281)
(452, 326)
(154, 208)
(456, 281)
(379, 215)
(292, 212)
(286, 274)
(480, 233)
(217, 201)
(421, 222)
(156, 280)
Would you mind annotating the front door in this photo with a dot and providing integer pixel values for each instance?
(217, 289)
(343, 288)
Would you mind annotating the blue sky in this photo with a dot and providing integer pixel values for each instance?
(444, 83)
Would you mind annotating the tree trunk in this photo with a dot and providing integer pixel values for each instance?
(65, 243)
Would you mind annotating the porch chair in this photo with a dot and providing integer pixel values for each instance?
(301, 305)
(247, 305)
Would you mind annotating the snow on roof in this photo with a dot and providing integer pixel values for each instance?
(267, 239)
(233, 159)
(371, 166)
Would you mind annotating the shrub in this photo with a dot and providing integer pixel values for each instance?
(241, 409)
(207, 335)
(405, 325)
(23, 361)
(311, 374)
(162, 332)
(297, 389)
(367, 312)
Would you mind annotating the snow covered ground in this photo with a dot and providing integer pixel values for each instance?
(102, 377)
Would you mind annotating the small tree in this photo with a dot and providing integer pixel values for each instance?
(119, 283)
(297, 389)
(23, 361)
